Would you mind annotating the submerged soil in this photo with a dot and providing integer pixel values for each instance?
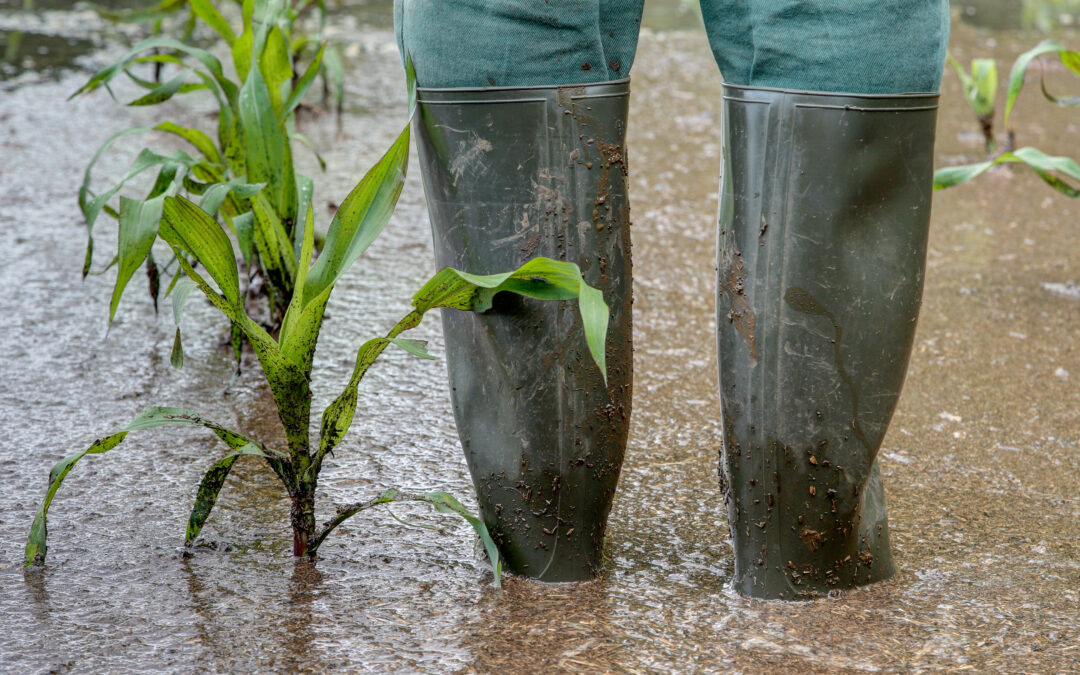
(981, 464)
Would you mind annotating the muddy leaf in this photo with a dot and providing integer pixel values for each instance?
(210, 487)
(303, 84)
(187, 227)
(36, 545)
(540, 278)
(443, 502)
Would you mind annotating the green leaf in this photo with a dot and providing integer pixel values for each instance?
(446, 503)
(197, 138)
(179, 294)
(163, 92)
(210, 487)
(36, 544)
(176, 356)
(442, 502)
(206, 11)
(208, 60)
(984, 93)
(1039, 161)
(275, 64)
(1063, 101)
(188, 228)
(360, 218)
(242, 47)
(138, 230)
(274, 246)
(540, 278)
(292, 313)
(338, 416)
(215, 195)
(304, 84)
(1071, 59)
(265, 140)
(334, 75)
(244, 224)
(305, 189)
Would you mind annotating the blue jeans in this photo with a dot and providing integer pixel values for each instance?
(857, 46)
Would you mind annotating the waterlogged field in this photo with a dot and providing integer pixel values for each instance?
(982, 461)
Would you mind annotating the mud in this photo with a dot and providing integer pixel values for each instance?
(981, 463)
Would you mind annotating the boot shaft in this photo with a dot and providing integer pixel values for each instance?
(823, 224)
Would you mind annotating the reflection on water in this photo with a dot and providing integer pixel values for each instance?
(37, 52)
(981, 463)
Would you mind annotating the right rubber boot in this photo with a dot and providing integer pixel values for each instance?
(824, 216)
(511, 174)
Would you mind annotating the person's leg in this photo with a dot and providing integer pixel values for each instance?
(822, 241)
(514, 43)
(521, 134)
(852, 46)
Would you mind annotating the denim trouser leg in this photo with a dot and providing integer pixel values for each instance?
(855, 46)
(482, 43)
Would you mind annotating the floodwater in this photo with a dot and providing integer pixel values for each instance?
(982, 462)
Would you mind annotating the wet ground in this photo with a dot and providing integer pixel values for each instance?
(982, 461)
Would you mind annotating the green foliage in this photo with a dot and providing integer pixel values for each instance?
(1053, 170)
(980, 85)
(208, 261)
(1070, 59)
(980, 90)
(243, 173)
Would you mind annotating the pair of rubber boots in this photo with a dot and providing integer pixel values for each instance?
(823, 223)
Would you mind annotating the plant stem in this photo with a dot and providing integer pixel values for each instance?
(303, 520)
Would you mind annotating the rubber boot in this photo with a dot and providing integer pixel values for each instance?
(824, 215)
(511, 174)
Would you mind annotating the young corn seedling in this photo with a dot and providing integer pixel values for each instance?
(206, 255)
(244, 175)
(1054, 170)
(980, 90)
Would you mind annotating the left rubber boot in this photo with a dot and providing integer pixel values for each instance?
(511, 174)
(824, 216)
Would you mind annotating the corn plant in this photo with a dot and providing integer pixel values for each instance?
(1054, 170)
(980, 90)
(207, 258)
(191, 11)
(244, 175)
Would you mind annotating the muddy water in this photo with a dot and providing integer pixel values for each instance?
(982, 461)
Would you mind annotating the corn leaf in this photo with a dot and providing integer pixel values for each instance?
(275, 64)
(338, 416)
(540, 278)
(36, 543)
(1044, 165)
(360, 218)
(208, 60)
(215, 195)
(197, 138)
(137, 232)
(206, 11)
(442, 502)
(163, 92)
(179, 294)
(303, 84)
(1071, 59)
(188, 228)
(274, 246)
(265, 141)
(210, 487)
